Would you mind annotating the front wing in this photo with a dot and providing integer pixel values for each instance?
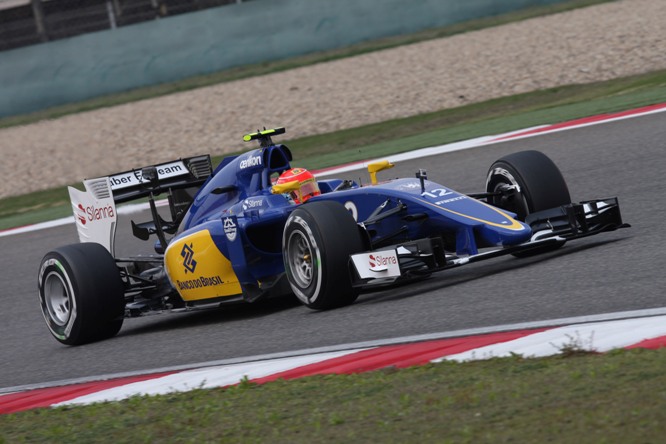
(550, 228)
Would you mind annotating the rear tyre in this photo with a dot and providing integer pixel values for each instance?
(317, 241)
(81, 293)
(537, 185)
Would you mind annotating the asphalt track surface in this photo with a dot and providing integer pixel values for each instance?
(618, 271)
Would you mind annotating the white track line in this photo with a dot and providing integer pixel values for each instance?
(598, 337)
(210, 377)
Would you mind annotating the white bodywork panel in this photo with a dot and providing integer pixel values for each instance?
(95, 212)
(377, 264)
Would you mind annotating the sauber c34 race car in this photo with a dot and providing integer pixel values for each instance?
(235, 235)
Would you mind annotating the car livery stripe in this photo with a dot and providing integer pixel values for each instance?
(599, 336)
(515, 225)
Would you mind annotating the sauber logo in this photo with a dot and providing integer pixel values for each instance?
(410, 186)
(250, 162)
(92, 213)
(378, 262)
(188, 258)
(230, 229)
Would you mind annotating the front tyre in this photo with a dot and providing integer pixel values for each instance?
(81, 293)
(529, 181)
(536, 182)
(318, 239)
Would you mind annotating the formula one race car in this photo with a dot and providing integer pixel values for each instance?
(243, 232)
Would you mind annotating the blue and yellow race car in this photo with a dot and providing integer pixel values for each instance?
(255, 227)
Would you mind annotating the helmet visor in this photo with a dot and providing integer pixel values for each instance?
(309, 188)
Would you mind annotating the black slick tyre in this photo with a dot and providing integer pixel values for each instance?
(317, 241)
(536, 182)
(539, 183)
(81, 293)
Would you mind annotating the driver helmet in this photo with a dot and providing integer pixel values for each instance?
(307, 184)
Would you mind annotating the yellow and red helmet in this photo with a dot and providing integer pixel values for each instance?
(307, 184)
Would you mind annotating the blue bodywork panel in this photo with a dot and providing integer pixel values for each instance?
(238, 194)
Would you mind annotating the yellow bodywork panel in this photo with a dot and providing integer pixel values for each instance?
(198, 270)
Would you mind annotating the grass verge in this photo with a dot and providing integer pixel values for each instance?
(385, 138)
(617, 397)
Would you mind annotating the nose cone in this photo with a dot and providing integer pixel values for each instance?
(501, 236)
(494, 225)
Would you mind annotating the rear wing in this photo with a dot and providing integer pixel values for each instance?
(178, 174)
(95, 210)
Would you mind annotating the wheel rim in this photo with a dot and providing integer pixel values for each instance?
(300, 259)
(57, 299)
(517, 203)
